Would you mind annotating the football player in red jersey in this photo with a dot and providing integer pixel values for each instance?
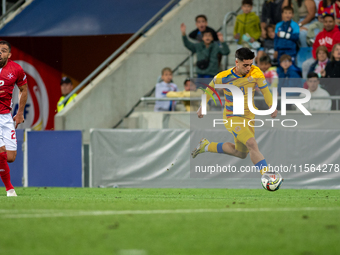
(10, 74)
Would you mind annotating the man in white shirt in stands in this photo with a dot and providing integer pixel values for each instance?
(317, 91)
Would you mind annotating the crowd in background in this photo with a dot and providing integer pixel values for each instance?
(278, 38)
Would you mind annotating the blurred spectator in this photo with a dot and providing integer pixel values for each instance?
(202, 25)
(162, 88)
(207, 52)
(288, 76)
(271, 76)
(268, 45)
(321, 60)
(326, 7)
(337, 12)
(312, 32)
(317, 4)
(271, 14)
(304, 15)
(286, 34)
(190, 91)
(269, 71)
(66, 87)
(332, 70)
(316, 91)
(247, 26)
(329, 36)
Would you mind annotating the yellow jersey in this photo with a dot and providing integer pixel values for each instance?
(254, 78)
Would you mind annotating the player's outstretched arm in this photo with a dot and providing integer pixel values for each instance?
(268, 98)
(19, 117)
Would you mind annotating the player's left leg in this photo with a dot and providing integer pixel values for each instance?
(237, 150)
(256, 156)
(246, 137)
(224, 148)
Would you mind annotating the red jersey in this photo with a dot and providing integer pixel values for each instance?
(12, 73)
(332, 9)
(327, 38)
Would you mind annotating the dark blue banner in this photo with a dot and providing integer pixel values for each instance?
(54, 158)
(87, 17)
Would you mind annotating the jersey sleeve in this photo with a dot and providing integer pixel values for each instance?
(263, 85)
(210, 92)
(22, 79)
(175, 94)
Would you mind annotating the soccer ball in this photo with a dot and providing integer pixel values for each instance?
(271, 181)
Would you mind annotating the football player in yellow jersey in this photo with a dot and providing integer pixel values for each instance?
(243, 75)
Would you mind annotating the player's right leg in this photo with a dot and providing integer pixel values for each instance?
(256, 156)
(8, 146)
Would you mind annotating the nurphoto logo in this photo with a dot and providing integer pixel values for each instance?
(238, 100)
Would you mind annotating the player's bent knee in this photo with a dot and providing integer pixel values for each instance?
(251, 144)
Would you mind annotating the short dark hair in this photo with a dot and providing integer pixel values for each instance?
(272, 26)
(265, 59)
(201, 16)
(186, 80)
(206, 32)
(244, 53)
(328, 15)
(312, 75)
(6, 43)
(250, 2)
(287, 8)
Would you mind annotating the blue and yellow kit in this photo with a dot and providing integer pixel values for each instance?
(241, 126)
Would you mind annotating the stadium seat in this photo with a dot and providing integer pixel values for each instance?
(303, 54)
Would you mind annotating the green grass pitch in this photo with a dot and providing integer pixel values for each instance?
(169, 221)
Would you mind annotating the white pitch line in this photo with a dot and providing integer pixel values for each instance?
(32, 210)
(54, 213)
